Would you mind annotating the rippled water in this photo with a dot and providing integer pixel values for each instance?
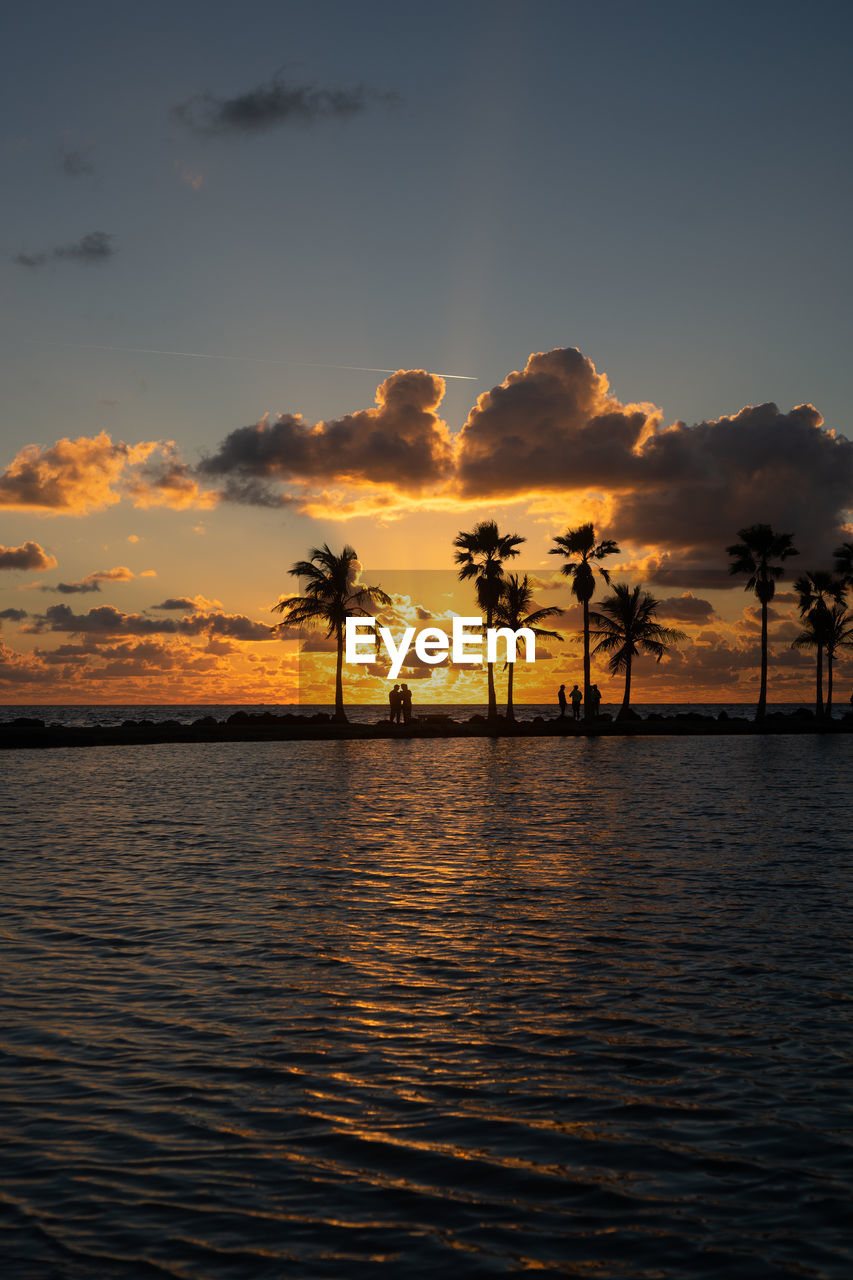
(350, 1009)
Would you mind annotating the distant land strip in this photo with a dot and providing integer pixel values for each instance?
(27, 732)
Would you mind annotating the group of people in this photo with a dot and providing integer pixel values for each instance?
(400, 704)
(576, 698)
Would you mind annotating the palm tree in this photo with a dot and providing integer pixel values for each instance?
(480, 555)
(818, 591)
(579, 548)
(752, 555)
(831, 629)
(515, 610)
(625, 628)
(331, 597)
(844, 563)
(839, 635)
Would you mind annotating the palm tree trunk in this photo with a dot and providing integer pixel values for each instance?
(829, 684)
(762, 691)
(493, 702)
(340, 714)
(626, 701)
(587, 709)
(818, 705)
(510, 710)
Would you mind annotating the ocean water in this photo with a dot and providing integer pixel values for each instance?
(411, 1008)
(114, 714)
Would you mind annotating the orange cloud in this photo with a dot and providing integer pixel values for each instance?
(71, 477)
(74, 477)
(168, 481)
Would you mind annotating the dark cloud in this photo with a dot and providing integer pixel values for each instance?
(177, 603)
(686, 608)
(28, 556)
(250, 491)
(234, 626)
(401, 442)
(107, 621)
(75, 163)
(12, 615)
(699, 485)
(74, 588)
(95, 247)
(274, 104)
(553, 426)
(687, 489)
(92, 581)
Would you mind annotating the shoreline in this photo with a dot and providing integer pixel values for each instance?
(28, 732)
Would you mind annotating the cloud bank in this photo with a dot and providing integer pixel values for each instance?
(552, 434)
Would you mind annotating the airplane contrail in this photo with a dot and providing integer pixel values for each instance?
(202, 355)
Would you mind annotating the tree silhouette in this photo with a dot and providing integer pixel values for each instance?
(625, 628)
(330, 597)
(480, 555)
(579, 548)
(515, 610)
(818, 591)
(758, 546)
(830, 630)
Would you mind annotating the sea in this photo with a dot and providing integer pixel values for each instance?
(418, 1007)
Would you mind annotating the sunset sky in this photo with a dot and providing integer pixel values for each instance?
(277, 275)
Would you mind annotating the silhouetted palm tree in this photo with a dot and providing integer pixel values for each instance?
(331, 597)
(844, 563)
(625, 628)
(818, 591)
(480, 555)
(579, 548)
(758, 546)
(514, 609)
(830, 630)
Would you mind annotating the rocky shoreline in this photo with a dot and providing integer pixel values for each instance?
(28, 732)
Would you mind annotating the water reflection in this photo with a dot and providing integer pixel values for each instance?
(345, 1008)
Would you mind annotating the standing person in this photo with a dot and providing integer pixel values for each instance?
(406, 699)
(576, 697)
(394, 704)
(595, 700)
(561, 698)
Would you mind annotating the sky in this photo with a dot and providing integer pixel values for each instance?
(279, 275)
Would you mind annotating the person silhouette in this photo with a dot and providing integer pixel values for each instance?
(595, 700)
(406, 703)
(394, 704)
(561, 698)
(576, 697)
